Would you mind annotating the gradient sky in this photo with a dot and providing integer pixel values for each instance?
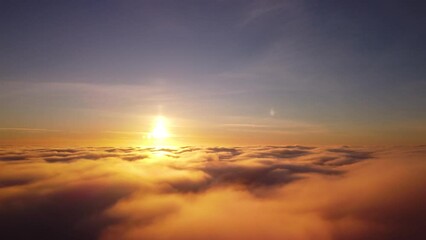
(222, 72)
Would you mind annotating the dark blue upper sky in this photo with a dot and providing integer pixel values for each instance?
(337, 64)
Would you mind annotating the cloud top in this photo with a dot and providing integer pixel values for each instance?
(259, 192)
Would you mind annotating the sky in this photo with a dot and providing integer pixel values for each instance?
(98, 73)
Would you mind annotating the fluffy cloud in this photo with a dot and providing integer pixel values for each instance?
(262, 192)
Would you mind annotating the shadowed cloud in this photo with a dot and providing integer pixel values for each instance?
(274, 192)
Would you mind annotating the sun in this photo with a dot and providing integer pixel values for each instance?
(159, 136)
(159, 132)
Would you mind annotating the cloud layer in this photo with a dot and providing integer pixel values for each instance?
(261, 192)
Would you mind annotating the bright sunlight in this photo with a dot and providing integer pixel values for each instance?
(159, 132)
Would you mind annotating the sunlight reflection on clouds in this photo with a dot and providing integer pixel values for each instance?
(272, 192)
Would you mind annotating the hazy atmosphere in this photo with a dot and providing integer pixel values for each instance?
(212, 119)
(240, 72)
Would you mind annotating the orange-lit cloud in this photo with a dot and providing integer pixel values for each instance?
(284, 192)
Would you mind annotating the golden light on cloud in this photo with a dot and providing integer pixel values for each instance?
(130, 193)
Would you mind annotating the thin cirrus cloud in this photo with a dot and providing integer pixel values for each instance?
(272, 192)
(28, 129)
(350, 68)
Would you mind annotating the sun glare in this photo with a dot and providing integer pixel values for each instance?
(159, 132)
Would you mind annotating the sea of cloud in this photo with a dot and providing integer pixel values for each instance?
(191, 193)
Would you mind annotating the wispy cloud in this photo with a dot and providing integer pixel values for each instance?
(272, 125)
(29, 129)
(127, 132)
(257, 9)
